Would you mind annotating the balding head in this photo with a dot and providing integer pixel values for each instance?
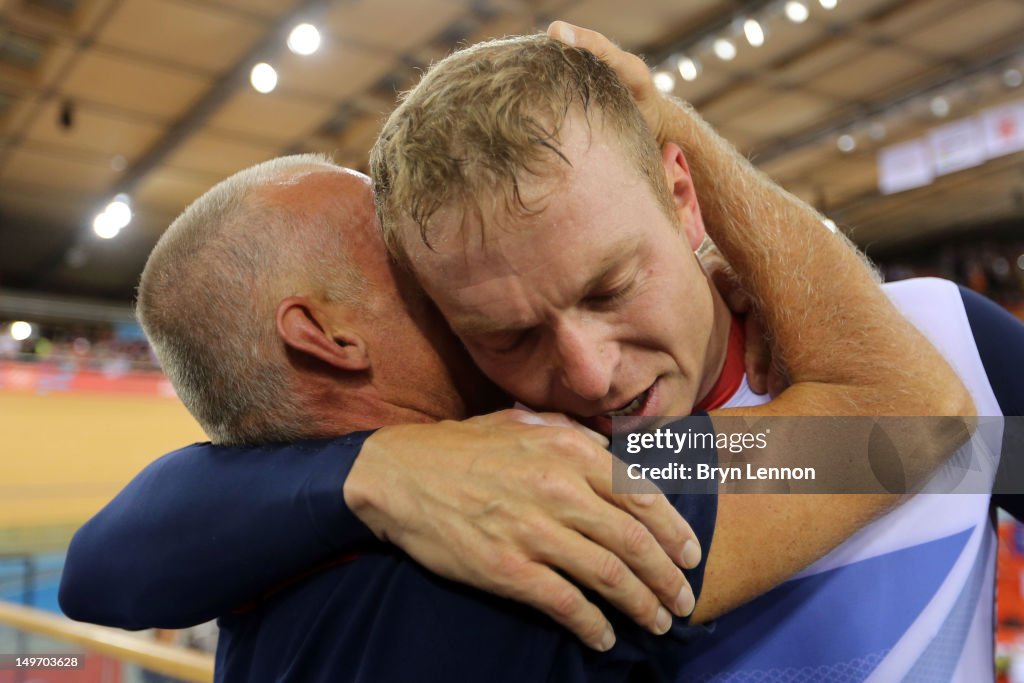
(210, 289)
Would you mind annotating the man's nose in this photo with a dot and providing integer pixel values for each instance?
(588, 359)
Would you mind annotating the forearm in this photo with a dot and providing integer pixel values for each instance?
(848, 352)
(206, 529)
(763, 539)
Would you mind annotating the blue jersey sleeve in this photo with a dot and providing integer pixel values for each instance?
(999, 337)
(1000, 340)
(207, 528)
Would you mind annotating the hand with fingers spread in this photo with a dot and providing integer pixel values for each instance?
(521, 504)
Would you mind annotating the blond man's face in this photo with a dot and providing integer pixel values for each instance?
(593, 305)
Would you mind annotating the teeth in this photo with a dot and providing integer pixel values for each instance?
(633, 405)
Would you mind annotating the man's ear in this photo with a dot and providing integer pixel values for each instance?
(684, 197)
(304, 326)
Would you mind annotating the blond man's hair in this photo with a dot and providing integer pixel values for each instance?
(487, 115)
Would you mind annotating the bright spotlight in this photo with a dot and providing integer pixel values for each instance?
(119, 212)
(664, 81)
(724, 49)
(304, 39)
(754, 32)
(263, 78)
(828, 4)
(689, 68)
(797, 11)
(21, 330)
(105, 226)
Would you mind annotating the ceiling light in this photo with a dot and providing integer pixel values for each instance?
(796, 11)
(846, 143)
(116, 216)
(119, 211)
(263, 78)
(939, 107)
(304, 39)
(754, 32)
(724, 49)
(104, 226)
(20, 330)
(664, 81)
(689, 68)
(828, 4)
(1012, 78)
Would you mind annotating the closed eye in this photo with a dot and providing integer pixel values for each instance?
(503, 342)
(610, 298)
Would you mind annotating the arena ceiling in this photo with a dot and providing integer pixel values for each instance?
(152, 98)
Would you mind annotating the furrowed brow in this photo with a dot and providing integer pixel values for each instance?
(622, 253)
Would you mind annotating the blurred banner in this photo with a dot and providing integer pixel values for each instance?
(46, 378)
(952, 147)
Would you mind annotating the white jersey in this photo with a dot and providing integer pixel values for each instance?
(910, 596)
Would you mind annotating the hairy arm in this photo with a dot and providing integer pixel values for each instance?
(846, 348)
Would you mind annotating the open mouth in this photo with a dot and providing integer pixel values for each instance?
(637, 408)
(633, 406)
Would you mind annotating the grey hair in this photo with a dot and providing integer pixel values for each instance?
(208, 295)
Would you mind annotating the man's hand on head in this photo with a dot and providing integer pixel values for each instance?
(631, 70)
(513, 503)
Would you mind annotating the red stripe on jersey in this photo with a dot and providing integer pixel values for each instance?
(732, 371)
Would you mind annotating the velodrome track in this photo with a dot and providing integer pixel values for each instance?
(64, 455)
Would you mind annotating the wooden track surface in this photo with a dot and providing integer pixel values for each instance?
(63, 456)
